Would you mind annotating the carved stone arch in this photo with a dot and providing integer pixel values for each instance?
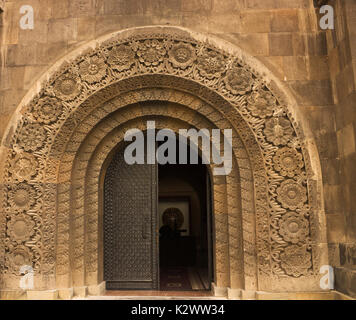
(99, 154)
(289, 212)
(147, 95)
(111, 123)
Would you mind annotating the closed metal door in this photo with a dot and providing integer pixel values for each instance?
(130, 225)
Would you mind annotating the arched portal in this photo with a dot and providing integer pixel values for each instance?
(268, 213)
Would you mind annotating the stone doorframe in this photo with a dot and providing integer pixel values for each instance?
(268, 213)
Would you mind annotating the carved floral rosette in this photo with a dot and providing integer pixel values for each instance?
(283, 166)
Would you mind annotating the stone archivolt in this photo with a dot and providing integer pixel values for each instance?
(285, 239)
(128, 115)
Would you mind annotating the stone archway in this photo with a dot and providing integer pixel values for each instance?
(269, 217)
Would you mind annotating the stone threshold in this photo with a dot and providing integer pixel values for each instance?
(99, 293)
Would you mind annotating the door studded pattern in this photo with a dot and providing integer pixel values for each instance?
(130, 220)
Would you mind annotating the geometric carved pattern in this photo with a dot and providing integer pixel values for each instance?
(129, 225)
(238, 92)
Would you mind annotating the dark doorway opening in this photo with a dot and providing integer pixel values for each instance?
(184, 208)
(157, 226)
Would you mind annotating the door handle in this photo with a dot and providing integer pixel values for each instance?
(145, 227)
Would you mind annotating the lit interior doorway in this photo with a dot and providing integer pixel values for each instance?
(185, 227)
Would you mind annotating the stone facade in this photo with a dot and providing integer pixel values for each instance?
(259, 67)
(342, 54)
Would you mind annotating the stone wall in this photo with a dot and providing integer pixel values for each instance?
(316, 65)
(283, 34)
(342, 222)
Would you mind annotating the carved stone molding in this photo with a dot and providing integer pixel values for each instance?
(166, 65)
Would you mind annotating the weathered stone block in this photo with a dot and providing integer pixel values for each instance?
(336, 227)
(255, 21)
(86, 28)
(319, 68)
(255, 44)
(46, 53)
(346, 140)
(285, 21)
(38, 34)
(42, 295)
(62, 30)
(280, 44)
(295, 68)
(314, 93)
(197, 5)
(345, 281)
(21, 55)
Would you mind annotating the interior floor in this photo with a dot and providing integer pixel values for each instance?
(182, 279)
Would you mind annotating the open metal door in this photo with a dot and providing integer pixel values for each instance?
(130, 225)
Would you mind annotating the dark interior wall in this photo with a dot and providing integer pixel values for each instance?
(179, 188)
(186, 181)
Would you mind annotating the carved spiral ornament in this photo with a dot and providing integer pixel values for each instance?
(47, 110)
(280, 177)
(288, 162)
(291, 194)
(18, 257)
(32, 137)
(121, 57)
(24, 167)
(21, 197)
(20, 227)
(278, 131)
(182, 55)
(211, 64)
(67, 87)
(296, 260)
(151, 52)
(239, 80)
(293, 227)
(93, 69)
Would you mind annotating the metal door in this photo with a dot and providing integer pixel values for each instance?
(130, 225)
